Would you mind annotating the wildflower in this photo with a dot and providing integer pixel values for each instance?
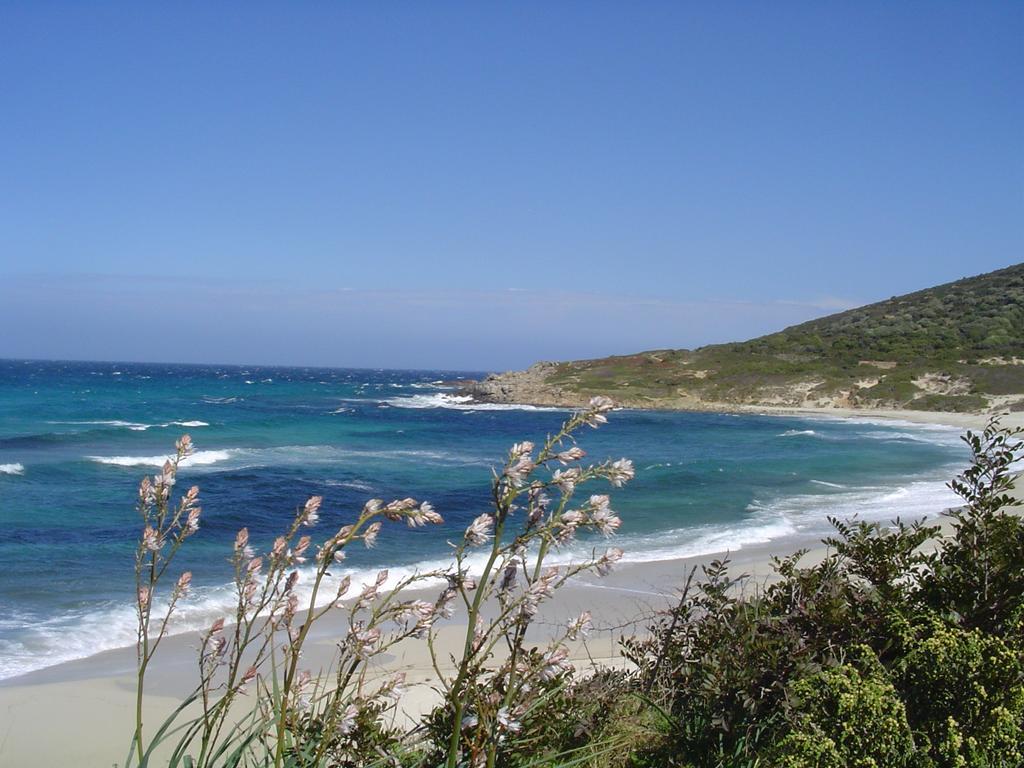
(152, 540)
(555, 663)
(396, 510)
(579, 626)
(143, 597)
(254, 565)
(539, 590)
(601, 515)
(372, 507)
(567, 524)
(279, 548)
(423, 515)
(508, 723)
(167, 478)
(445, 605)
(347, 722)
(572, 454)
(520, 463)
(241, 540)
(293, 579)
(343, 586)
(184, 581)
(146, 491)
(217, 626)
(369, 593)
(298, 556)
(192, 521)
(184, 446)
(566, 479)
(311, 512)
(479, 531)
(370, 535)
(365, 640)
(620, 472)
(420, 609)
(607, 560)
(594, 416)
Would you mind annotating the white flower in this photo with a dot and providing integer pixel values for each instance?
(555, 663)
(620, 472)
(479, 531)
(151, 540)
(601, 515)
(566, 479)
(348, 720)
(572, 454)
(607, 560)
(508, 723)
(370, 536)
(520, 463)
(311, 512)
(579, 626)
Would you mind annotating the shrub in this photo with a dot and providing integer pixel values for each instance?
(843, 718)
(965, 691)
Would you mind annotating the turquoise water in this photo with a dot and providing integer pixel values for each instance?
(75, 439)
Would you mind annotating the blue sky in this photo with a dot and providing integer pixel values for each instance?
(477, 186)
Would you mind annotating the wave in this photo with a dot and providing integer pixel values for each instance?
(461, 403)
(133, 425)
(800, 519)
(40, 642)
(12, 469)
(827, 484)
(798, 432)
(295, 455)
(199, 458)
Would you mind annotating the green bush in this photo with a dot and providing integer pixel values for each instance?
(842, 718)
(964, 690)
(950, 403)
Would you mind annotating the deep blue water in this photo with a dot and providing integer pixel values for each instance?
(76, 438)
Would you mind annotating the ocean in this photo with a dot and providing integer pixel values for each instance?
(76, 438)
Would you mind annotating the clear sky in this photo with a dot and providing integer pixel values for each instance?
(480, 185)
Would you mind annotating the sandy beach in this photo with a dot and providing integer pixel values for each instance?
(92, 699)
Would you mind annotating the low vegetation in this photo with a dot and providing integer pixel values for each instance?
(901, 648)
(955, 347)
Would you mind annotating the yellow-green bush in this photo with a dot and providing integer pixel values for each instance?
(964, 691)
(843, 718)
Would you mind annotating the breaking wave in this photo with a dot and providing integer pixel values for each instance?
(461, 403)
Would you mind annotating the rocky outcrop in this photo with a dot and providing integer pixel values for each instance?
(530, 386)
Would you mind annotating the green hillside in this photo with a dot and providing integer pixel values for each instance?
(958, 346)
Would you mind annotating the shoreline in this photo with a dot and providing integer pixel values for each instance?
(93, 696)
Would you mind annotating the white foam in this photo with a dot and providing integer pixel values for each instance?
(199, 458)
(803, 518)
(798, 432)
(12, 469)
(827, 484)
(461, 403)
(133, 425)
